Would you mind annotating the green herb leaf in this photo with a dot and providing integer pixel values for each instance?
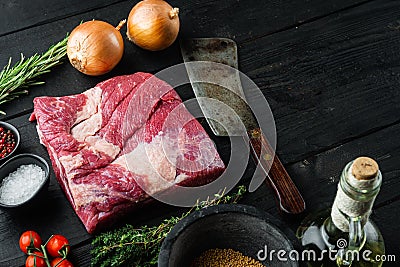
(24, 73)
(130, 246)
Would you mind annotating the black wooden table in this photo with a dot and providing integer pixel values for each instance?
(329, 69)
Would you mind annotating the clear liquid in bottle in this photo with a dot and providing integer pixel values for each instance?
(344, 235)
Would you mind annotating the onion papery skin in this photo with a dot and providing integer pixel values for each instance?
(153, 25)
(95, 47)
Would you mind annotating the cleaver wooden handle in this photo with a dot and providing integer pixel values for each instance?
(288, 196)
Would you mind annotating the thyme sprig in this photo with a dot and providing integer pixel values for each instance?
(15, 79)
(130, 246)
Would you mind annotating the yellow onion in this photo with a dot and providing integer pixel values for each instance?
(95, 47)
(153, 24)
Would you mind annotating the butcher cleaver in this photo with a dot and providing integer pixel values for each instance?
(222, 122)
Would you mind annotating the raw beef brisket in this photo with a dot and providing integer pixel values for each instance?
(110, 145)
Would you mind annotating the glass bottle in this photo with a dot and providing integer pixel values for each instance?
(344, 235)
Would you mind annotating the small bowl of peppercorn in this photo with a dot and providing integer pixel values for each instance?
(9, 140)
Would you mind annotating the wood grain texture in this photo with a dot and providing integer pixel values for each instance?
(384, 218)
(197, 15)
(317, 178)
(331, 80)
(18, 15)
(308, 74)
(332, 83)
(198, 19)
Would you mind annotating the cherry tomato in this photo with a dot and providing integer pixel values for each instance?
(57, 246)
(61, 263)
(35, 260)
(29, 240)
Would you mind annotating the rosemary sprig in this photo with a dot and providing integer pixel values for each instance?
(130, 246)
(13, 79)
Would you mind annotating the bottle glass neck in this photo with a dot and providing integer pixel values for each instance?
(359, 190)
(350, 212)
(354, 198)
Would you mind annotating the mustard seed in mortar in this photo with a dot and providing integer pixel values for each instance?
(224, 258)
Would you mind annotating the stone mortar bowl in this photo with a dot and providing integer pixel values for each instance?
(239, 227)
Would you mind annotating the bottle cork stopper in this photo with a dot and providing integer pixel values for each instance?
(365, 168)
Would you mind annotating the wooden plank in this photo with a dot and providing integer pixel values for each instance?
(22, 14)
(198, 19)
(53, 213)
(251, 19)
(196, 15)
(324, 65)
(331, 80)
(317, 178)
(318, 175)
(319, 77)
(384, 217)
(387, 220)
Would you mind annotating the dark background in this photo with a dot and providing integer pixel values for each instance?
(329, 70)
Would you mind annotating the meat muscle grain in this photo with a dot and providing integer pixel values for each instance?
(112, 141)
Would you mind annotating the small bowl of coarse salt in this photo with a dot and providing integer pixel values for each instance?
(22, 179)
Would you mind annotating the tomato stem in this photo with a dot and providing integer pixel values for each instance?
(64, 250)
(48, 240)
(46, 258)
(58, 263)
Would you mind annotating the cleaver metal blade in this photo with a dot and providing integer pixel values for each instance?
(222, 51)
(225, 122)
